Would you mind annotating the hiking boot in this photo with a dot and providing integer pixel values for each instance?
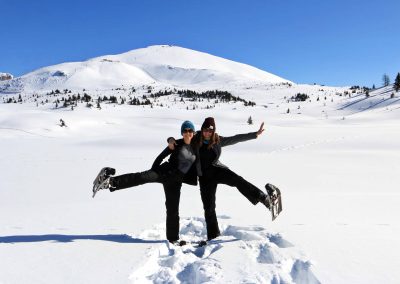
(266, 200)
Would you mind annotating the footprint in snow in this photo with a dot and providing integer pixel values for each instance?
(242, 254)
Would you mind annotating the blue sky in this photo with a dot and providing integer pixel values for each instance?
(326, 42)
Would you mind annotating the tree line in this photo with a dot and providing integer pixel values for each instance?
(386, 81)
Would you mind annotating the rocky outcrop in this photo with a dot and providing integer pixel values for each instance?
(5, 76)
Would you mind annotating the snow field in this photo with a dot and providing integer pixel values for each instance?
(339, 191)
(336, 161)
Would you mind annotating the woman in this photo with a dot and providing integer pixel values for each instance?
(212, 172)
(179, 168)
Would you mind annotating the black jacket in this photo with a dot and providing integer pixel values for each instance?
(190, 177)
(224, 141)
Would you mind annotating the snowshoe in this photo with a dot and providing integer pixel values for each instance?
(275, 200)
(102, 181)
(179, 243)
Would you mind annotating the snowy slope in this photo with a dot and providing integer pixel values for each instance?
(381, 98)
(167, 64)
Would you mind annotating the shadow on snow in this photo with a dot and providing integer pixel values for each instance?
(71, 238)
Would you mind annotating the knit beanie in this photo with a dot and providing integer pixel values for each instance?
(187, 125)
(209, 123)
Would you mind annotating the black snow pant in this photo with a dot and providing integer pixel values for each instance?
(171, 180)
(208, 188)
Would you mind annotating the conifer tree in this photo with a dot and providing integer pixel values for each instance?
(397, 82)
(385, 80)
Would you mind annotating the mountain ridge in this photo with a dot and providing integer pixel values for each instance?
(163, 64)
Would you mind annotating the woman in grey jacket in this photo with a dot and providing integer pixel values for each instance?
(207, 144)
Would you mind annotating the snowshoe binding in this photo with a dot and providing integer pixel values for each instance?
(102, 181)
(275, 200)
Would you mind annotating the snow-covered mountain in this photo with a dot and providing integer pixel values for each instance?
(155, 64)
(168, 70)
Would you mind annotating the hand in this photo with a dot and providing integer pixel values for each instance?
(261, 130)
(171, 143)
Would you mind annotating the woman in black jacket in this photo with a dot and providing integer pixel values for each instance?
(212, 172)
(179, 168)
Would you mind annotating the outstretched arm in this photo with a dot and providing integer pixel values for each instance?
(261, 130)
(231, 140)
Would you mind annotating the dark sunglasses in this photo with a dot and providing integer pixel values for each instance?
(188, 130)
(208, 130)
